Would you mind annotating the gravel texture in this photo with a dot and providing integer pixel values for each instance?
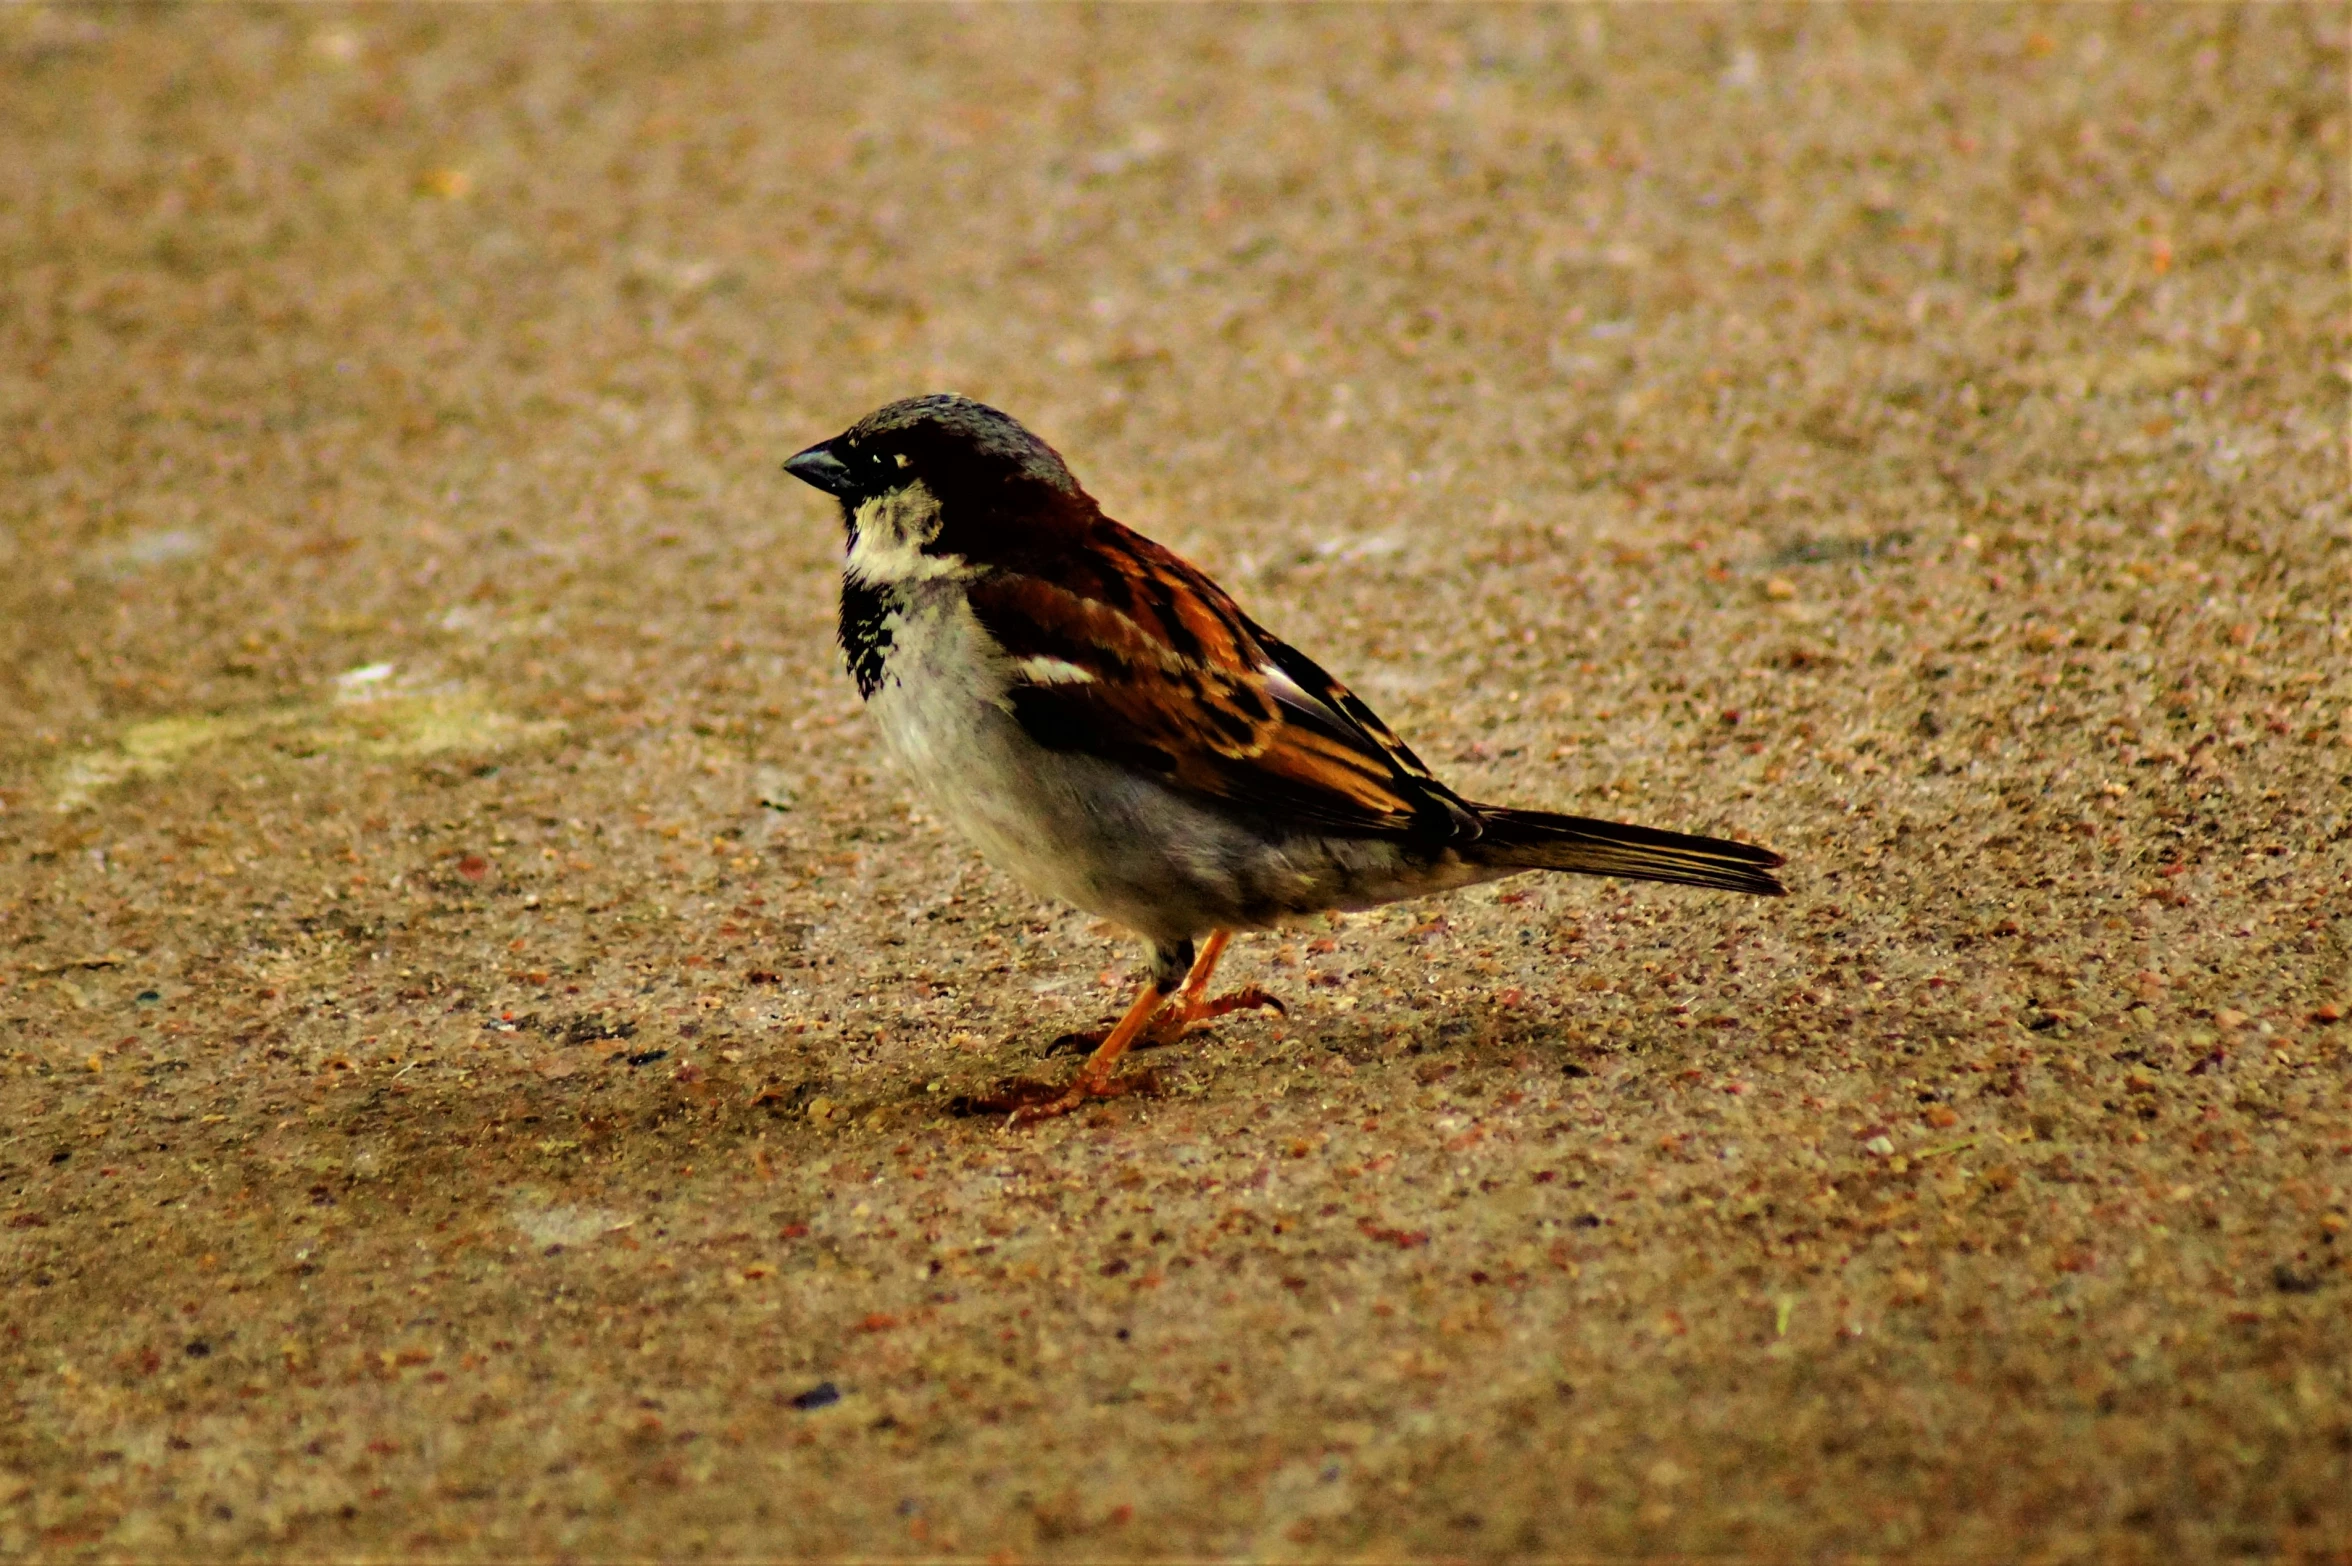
(480, 1020)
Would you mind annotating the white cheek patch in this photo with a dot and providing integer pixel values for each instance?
(891, 532)
(1052, 671)
(889, 567)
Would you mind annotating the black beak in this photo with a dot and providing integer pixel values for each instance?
(818, 468)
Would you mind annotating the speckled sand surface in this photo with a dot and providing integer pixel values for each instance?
(479, 1016)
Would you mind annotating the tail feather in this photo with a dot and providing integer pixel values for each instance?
(1540, 840)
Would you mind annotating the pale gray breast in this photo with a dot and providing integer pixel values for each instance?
(1085, 830)
(943, 687)
(1065, 826)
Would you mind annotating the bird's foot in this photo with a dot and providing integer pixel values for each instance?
(1174, 1022)
(1023, 1101)
(1250, 999)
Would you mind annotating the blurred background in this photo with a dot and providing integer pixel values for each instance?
(323, 324)
(477, 1017)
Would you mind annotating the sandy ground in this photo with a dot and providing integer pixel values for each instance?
(480, 1019)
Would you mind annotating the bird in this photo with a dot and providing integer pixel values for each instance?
(1108, 727)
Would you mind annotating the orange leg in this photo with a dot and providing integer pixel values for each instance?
(1191, 1005)
(1196, 983)
(1095, 1079)
(1192, 1002)
(1149, 1021)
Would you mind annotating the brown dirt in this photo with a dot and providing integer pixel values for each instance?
(478, 1015)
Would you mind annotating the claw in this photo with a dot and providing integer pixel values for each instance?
(1172, 1024)
(1083, 1091)
(1024, 1101)
(1251, 999)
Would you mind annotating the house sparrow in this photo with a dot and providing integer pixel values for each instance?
(1110, 729)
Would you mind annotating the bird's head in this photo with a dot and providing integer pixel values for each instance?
(915, 469)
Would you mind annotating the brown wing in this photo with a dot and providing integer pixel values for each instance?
(1126, 652)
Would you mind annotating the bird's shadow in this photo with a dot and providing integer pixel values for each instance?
(1468, 1037)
